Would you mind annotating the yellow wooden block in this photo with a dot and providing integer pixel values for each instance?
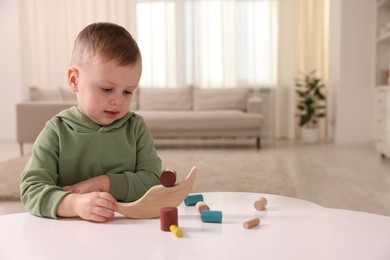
(175, 230)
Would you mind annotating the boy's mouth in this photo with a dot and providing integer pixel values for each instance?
(113, 113)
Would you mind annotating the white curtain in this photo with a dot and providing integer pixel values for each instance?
(49, 28)
(303, 46)
(207, 43)
(157, 31)
(233, 43)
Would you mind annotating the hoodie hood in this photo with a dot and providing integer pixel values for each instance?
(83, 124)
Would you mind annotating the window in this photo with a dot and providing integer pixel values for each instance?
(207, 43)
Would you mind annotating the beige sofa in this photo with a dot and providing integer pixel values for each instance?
(169, 112)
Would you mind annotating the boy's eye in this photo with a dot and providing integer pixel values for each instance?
(106, 89)
(126, 92)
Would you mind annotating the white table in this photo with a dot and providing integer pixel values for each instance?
(289, 229)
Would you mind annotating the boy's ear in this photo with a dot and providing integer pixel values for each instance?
(73, 79)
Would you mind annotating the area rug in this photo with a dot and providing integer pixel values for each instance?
(10, 178)
(244, 170)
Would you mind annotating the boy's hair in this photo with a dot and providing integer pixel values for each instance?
(111, 41)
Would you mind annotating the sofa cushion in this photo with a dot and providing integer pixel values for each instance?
(68, 94)
(49, 93)
(201, 120)
(165, 98)
(226, 98)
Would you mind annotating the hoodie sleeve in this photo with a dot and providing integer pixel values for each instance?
(40, 194)
(130, 186)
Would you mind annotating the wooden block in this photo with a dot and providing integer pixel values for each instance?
(211, 216)
(176, 231)
(191, 200)
(200, 206)
(260, 204)
(251, 223)
(168, 178)
(157, 197)
(168, 217)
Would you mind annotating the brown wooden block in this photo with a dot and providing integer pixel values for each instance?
(168, 217)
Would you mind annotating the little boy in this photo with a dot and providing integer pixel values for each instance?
(91, 156)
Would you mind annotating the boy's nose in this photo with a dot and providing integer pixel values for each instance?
(115, 101)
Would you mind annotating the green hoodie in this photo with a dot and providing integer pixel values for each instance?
(72, 148)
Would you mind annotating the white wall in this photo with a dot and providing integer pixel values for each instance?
(352, 69)
(10, 68)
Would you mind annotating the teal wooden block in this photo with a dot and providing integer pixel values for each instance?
(191, 200)
(211, 216)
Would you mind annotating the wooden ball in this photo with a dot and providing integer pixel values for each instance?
(260, 204)
(168, 217)
(168, 178)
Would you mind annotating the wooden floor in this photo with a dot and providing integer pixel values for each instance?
(355, 178)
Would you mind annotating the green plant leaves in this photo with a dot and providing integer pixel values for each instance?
(311, 101)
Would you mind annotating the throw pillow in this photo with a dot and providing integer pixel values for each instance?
(226, 98)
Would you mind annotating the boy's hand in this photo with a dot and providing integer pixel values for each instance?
(94, 206)
(99, 183)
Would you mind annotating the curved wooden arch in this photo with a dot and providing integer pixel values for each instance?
(157, 197)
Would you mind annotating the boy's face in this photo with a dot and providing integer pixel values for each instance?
(104, 89)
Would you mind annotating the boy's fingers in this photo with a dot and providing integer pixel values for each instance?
(103, 212)
(98, 218)
(108, 201)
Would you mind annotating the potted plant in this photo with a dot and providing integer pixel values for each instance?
(311, 105)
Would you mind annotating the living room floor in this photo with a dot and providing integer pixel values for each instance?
(355, 178)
